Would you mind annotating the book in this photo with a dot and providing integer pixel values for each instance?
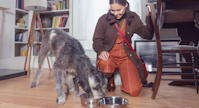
(57, 18)
(46, 21)
(19, 37)
(53, 23)
(67, 22)
(59, 8)
(67, 4)
(60, 23)
(63, 3)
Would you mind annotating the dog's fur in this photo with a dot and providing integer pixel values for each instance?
(72, 67)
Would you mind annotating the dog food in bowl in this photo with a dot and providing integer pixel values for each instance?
(113, 102)
(89, 103)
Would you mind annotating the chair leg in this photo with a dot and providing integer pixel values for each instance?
(157, 80)
(154, 83)
(196, 75)
(195, 71)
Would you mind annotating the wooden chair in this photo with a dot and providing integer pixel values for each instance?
(172, 49)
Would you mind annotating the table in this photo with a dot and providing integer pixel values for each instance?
(183, 15)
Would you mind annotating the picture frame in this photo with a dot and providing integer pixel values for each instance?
(147, 50)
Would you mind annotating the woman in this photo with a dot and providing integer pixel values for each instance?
(113, 52)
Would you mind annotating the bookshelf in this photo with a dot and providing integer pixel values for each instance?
(20, 41)
(53, 17)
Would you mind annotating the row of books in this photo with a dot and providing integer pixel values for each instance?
(54, 22)
(61, 5)
(19, 37)
(37, 36)
(36, 49)
(20, 4)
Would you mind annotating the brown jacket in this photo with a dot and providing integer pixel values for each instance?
(106, 32)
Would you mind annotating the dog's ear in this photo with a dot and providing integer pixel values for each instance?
(103, 82)
(76, 87)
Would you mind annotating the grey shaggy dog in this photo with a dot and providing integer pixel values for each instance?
(71, 68)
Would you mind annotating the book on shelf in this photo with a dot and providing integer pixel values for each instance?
(38, 37)
(36, 49)
(54, 22)
(20, 4)
(19, 37)
(60, 5)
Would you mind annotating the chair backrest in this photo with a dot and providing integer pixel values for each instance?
(157, 34)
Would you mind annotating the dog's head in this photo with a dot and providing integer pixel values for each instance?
(98, 84)
(94, 83)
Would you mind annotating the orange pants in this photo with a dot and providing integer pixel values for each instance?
(118, 60)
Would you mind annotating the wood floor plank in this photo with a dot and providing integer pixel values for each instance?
(16, 93)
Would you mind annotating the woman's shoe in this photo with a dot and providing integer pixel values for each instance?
(111, 85)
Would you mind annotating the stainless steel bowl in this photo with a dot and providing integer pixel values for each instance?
(89, 103)
(113, 102)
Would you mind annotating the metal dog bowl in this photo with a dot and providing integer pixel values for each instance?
(89, 103)
(113, 102)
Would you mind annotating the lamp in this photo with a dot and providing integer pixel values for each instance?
(39, 4)
(36, 5)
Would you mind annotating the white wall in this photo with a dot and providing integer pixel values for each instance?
(7, 32)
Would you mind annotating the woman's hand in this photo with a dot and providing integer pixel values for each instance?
(147, 11)
(104, 55)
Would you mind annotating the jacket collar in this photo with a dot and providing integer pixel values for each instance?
(111, 19)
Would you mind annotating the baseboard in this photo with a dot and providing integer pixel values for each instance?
(11, 73)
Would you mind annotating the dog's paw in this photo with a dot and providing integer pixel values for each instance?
(61, 100)
(70, 91)
(34, 84)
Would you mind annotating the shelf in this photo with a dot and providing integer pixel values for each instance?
(38, 29)
(19, 57)
(36, 42)
(21, 42)
(54, 13)
(4, 8)
(20, 11)
(18, 29)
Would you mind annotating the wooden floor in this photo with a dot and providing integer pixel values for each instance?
(16, 93)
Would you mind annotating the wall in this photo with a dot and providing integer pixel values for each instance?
(7, 32)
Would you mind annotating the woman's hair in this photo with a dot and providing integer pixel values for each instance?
(127, 13)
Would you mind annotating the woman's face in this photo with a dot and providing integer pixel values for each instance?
(117, 10)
